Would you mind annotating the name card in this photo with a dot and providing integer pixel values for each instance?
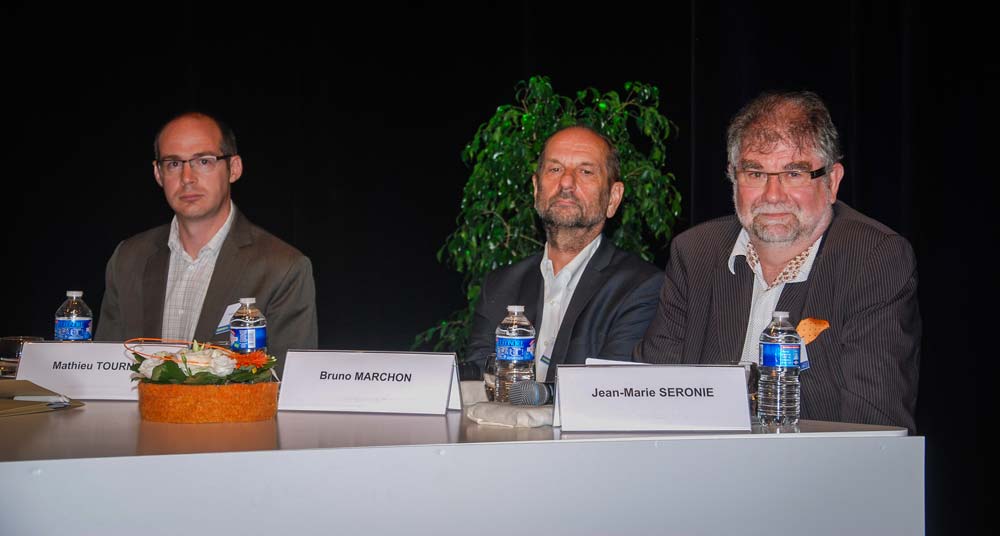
(374, 382)
(622, 398)
(83, 370)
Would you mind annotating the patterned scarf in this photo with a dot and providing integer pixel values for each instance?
(788, 273)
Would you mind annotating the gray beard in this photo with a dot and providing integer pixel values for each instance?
(762, 233)
(552, 221)
(797, 229)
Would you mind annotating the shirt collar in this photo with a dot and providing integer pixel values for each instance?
(571, 268)
(174, 241)
(804, 260)
(739, 249)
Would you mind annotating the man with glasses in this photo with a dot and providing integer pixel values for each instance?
(791, 246)
(181, 280)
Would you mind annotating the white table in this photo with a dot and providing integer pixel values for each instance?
(100, 469)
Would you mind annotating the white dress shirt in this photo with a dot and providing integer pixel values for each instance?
(764, 299)
(188, 280)
(559, 290)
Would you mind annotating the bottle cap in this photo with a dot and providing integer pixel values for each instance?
(248, 301)
(515, 308)
(74, 293)
(779, 314)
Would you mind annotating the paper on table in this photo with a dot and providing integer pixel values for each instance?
(57, 400)
(598, 361)
(20, 397)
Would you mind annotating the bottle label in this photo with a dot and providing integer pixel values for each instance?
(773, 354)
(69, 329)
(246, 340)
(516, 348)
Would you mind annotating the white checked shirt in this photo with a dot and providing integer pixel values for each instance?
(558, 293)
(187, 281)
(765, 297)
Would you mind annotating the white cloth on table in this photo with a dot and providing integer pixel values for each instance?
(498, 414)
(478, 409)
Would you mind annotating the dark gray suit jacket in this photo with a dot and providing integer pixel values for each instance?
(863, 369)
(609, 311)
(251, 262)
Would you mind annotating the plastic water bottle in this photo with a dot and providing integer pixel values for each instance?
(74, 319)
(247, 328)
(515, 351)
(778, 388)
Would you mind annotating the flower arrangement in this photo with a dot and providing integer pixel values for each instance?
(198, 364)
(202, 383)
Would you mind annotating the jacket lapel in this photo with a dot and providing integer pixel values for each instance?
(793, 299)
(592, 279)
(731, 296)
(531, 295)
(229, 265)
(796, 298)
(154, 288)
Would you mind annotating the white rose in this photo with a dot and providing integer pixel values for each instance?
(222, 365)
(200, 361)
(147, 366)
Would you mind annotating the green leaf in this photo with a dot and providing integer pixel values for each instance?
(204, 378)
(167, 372)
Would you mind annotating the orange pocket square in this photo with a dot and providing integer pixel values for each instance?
(810, 328)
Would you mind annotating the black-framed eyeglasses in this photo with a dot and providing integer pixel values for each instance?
(199, 164)
(755, 178)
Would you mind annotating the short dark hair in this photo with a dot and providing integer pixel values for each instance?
(228, 145)
(612, 164)
(798, 118)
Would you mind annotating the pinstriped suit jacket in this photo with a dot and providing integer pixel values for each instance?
(863, 369)
(251, 262)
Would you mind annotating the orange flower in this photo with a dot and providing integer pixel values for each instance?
(253, 359)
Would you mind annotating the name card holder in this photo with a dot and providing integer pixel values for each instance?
(83, 370)
(624, 398)
(370, 382)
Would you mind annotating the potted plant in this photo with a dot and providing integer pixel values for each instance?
(496, 224)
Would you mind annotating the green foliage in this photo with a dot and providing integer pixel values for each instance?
(497, 221)
(170, 372)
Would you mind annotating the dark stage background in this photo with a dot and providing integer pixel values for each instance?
(351, 125)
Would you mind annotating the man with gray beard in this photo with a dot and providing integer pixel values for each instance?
(585, 297)
(793, 247)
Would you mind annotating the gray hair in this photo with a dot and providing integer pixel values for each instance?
(612, 164)
(797, 118)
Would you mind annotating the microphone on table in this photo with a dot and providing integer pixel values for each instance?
(529, 393)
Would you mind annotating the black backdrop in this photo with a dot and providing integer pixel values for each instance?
(351, 121)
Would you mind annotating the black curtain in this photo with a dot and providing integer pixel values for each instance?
(351, 125)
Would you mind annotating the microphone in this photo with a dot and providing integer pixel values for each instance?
(528, 393)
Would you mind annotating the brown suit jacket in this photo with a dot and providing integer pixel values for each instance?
(863, 369)
(251, 262)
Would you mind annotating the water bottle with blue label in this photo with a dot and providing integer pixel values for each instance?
(74, 319)
(515, 351)
(778, 394)
(248, 328)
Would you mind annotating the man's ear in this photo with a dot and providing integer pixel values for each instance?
(235, 168)
(156, 174)
(836, 174)
(615, 199)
